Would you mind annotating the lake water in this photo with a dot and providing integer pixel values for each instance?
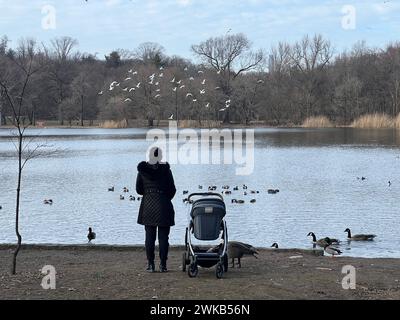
(315, 170)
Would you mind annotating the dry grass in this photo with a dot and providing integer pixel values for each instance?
(396, 122)
(196, 124)
(317, 122)
(111, 124)
(375, 121)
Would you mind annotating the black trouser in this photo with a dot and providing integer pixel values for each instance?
(151, 235)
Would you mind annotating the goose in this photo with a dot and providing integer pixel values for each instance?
(226, 187)
(236, 250)
(273, 191)
(91, 235)
(253, 201)
(111, 189)
(240, 201)
(236, 188)
(245, 187)
(50, 202)
(132, 198)
(275, 245)
(126, 189)
(322, 242)
(332, 250)
(200, 187)
(139, 198)
(185, 191)
(121, 197)
(390, 183)
(1, 207)
(359, 237)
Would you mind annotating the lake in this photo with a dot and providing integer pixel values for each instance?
(315, 170)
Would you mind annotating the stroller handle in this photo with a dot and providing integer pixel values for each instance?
(205, 194)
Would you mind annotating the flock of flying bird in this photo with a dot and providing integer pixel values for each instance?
(155, 79)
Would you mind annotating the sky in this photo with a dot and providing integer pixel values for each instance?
(101, 26)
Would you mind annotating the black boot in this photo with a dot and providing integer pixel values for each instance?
(151, 267)
(163, 267)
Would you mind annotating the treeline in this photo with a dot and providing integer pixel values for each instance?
(230, 82)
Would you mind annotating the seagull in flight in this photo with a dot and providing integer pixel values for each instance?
(138, 85)
(157, 96)
(182, 86)
(171, 117)
(173, 80)
(174, 89)
(208, 105)
(131, 89)
(161, 75)
(128, 100)
(202, 91)
(203, 82)
(189, 95)
(200, 71)
(223, 109)
(129, 78)
(100, 93)
(191, 78)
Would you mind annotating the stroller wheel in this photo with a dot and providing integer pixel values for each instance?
(184, 262)
(225, 262)
(219, 271)
(193, 270)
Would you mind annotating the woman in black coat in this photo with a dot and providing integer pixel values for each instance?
(156, 183)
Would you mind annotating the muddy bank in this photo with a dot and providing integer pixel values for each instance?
(108, 272)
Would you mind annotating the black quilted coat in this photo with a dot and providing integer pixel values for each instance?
(156, 184)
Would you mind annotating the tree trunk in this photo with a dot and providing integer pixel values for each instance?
(82, 109)
(14, 264)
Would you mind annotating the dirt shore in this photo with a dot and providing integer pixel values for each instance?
(97, 272)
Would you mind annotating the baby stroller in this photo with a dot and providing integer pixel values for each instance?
(206, 224)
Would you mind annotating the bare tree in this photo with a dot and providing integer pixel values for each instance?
(229, 56)
(16, 74)
(150, 52)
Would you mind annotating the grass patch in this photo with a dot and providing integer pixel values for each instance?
(111, 124)
(317, 122)
(375, 121)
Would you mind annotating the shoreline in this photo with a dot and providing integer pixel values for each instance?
(117, 272)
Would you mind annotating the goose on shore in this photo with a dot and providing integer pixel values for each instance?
(275, 245)
(332, 250)
(359, 237)
(91, 235)
(324, 241)
(236, 250)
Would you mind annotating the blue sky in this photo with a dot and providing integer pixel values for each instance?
(103, 25)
